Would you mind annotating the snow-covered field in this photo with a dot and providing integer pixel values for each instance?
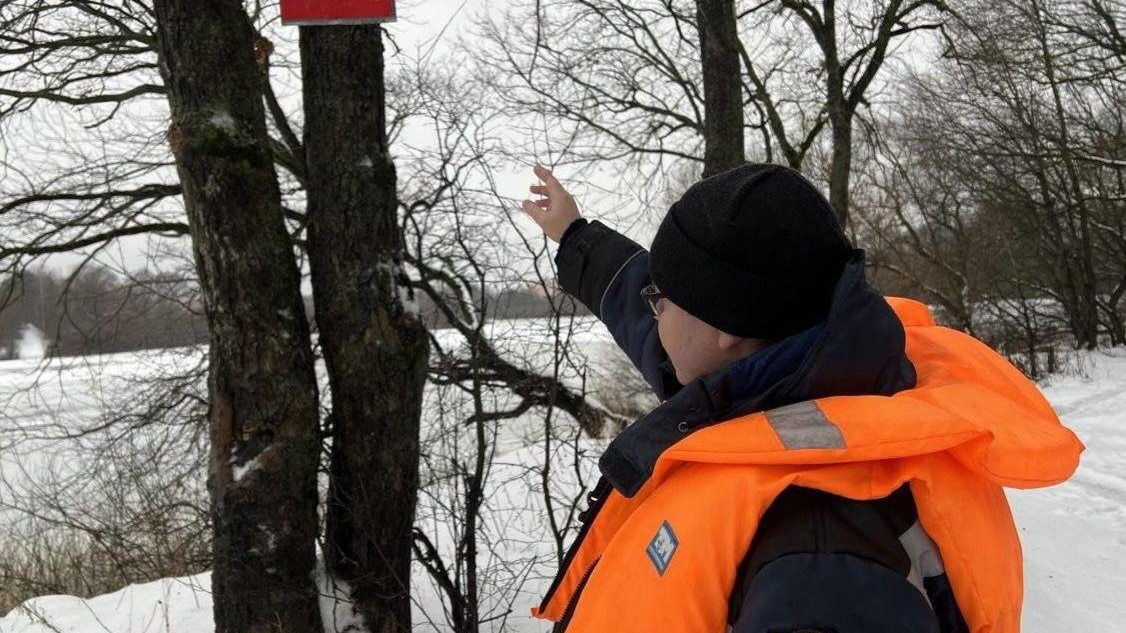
(1074, 535)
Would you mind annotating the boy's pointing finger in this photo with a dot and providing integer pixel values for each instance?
(543, 174)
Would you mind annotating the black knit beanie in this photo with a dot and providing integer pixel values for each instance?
(754, 251)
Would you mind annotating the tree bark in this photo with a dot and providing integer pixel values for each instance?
(840, 113)
(723, 88)
(840, 166)
(261, 385)
(375, 348)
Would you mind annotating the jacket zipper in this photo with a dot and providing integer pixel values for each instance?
(596, 499)
(574, 601)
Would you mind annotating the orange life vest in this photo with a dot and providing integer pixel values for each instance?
(972, 424)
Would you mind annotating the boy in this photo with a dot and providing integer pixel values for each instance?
(823, 459)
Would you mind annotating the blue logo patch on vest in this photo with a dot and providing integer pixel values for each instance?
(662, 547)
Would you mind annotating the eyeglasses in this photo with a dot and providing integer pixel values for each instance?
(653, 297)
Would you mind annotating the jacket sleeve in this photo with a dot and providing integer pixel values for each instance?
(606, 271)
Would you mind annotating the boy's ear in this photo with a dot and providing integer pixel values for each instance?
(728, 341)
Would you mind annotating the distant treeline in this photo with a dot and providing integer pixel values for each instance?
(99, 311)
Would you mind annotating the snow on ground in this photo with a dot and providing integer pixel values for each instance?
(168, 604)
(1074, 535)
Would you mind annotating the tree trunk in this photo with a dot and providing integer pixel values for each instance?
(840, 115)
(375, 348)
(723, 89)
(840, 168)
(1115, 324)
(261, 385)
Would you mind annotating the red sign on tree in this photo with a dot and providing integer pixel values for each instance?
(336, 11)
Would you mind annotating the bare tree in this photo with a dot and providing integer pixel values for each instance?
(510, 422)
(261, 386)
(1002, 179)
(374, 345)
(625, 77)
(849, 73)
(918, 225)
(75, 204)
(723, 93)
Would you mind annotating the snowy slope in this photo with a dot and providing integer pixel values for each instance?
(1074, 539)
(1074, 535)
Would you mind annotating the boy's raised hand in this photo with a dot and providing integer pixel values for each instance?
(557, 210)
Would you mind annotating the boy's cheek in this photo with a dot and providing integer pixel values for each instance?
(674, 354)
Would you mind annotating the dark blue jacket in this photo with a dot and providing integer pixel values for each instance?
(818, 562)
